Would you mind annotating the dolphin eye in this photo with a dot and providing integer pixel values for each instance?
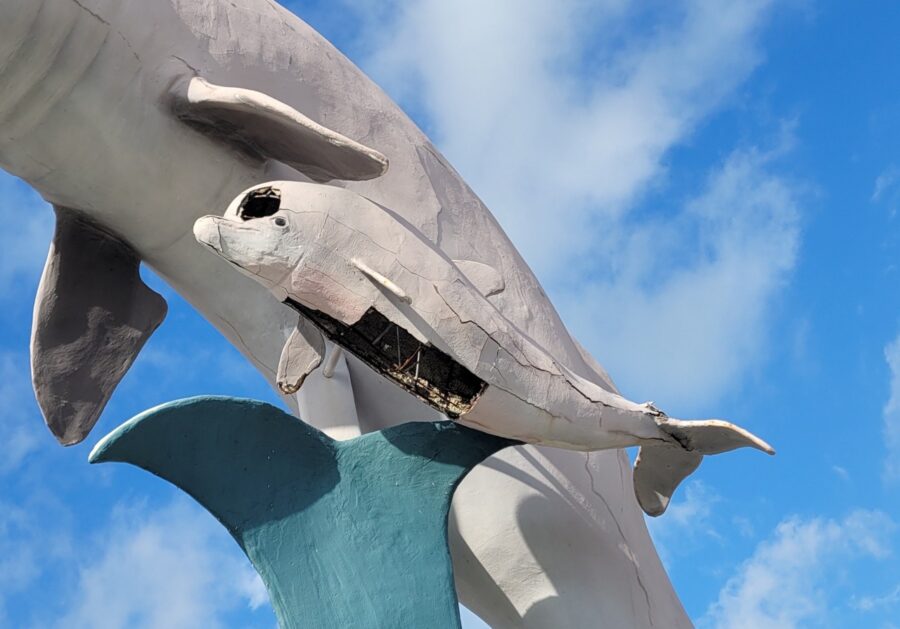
(280, 221)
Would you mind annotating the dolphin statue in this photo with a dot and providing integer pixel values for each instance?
(133, 118)
(378, 288)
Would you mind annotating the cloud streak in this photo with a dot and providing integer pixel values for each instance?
(164, 568)
(891, 414)
(20, 421)
(23, 249)
(687, 313)
(788, 580)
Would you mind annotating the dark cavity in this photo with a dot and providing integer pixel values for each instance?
(422, 370)
(260, 203)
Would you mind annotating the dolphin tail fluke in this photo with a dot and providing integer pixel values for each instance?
(92, 316)
(659, 469)
(344, 534)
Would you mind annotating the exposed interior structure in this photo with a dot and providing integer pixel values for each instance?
(423, 370)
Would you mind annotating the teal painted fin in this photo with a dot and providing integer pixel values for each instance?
(350, 533)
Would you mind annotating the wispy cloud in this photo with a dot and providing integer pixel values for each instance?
(787, 583)
(35, 538)
(891, 414)
(552, 127)
(24, 244)
(887, 189)
(19, 561)
(166, 568)
(20, 420)
(565, 136)
(870, 603)
(688, 522)
(686, 315)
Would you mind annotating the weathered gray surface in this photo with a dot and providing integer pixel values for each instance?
(92, 316)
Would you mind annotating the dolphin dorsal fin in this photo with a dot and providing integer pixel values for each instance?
(278, 131)
(486, 278)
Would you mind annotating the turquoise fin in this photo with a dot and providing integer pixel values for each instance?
(343, 533)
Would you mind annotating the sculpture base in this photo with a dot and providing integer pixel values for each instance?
(344, 533)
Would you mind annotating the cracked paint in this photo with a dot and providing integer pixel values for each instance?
(362, 281)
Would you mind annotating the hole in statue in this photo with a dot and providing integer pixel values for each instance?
(260, 203)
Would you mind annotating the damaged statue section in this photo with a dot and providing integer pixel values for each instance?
(361, 276)
(343, 533)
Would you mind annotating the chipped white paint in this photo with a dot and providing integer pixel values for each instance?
(333, 251)
(88, 118)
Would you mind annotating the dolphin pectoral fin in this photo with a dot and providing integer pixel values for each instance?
(658, 471)
(484, 277)
(712, 436)
(92, 316)
(381, 281)
(278, 131)
(301, 355)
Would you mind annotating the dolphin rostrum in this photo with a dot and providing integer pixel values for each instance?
(378, 288)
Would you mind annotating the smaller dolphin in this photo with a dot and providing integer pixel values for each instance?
(362, 276)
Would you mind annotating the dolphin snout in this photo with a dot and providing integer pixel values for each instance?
(206, 231)
(234, 241)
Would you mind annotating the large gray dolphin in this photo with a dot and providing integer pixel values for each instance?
(135, 117)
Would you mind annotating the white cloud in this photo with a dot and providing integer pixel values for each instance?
(35, 537)
(696, 507)
(551, 126)
(23, 249)
(564, 134)
(686, 315)
(891, 414)
(870, 603)
(24, 246)
(787, 581)
(884, 182)
(841, 472)
(887, 189)
(20, 421)
(19, 561)
(687, 522)
(169, 568)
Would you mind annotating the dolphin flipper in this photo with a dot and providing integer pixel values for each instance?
(301, 355)
(278, 131)
(92, 316)
(344, 534)
(659, 469)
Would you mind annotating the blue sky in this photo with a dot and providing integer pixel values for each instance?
(709, 194)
